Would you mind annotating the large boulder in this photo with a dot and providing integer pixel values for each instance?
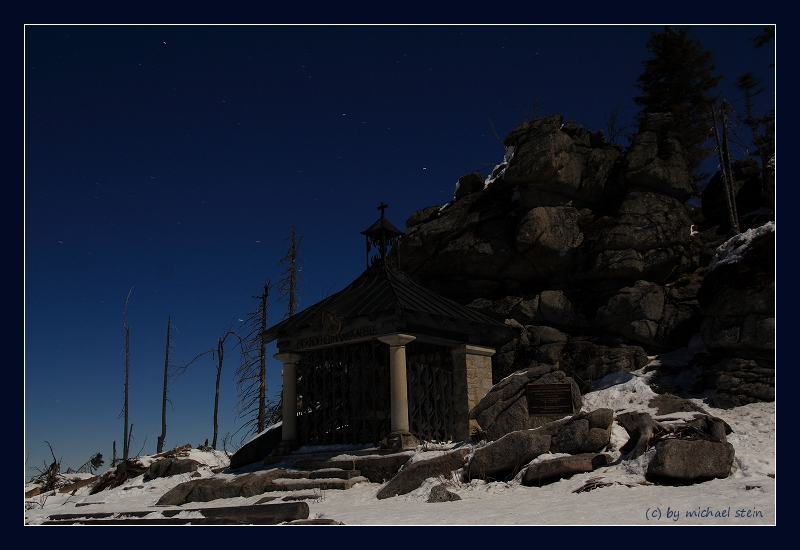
(584, 432)
(257, 448)
(469, 184)
(169, 467)
(680, 461)
(504, 408)
(502, 459)
(208, 489)
(413, 474)
(547, 471)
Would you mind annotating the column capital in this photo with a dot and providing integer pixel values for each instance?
(397, 339)
(467, 349)
(287, 357)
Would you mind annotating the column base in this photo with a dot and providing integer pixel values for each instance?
(285, 447)
(400, 442)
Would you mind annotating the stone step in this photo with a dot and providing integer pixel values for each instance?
(324, 455)
(376, 468)
(333, 473)
(324, 484)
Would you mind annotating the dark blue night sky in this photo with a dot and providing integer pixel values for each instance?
(173, 160)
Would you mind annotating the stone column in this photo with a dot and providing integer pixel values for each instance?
(472, 379)
(400, 437)
(289, 426)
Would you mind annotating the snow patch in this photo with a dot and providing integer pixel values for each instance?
(732, 250)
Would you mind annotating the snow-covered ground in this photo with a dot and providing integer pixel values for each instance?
(746, 497)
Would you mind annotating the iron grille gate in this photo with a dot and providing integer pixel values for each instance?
(345, 394)
(430, 391)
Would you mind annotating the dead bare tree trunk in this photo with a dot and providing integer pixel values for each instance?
(289, 285)
(160, 440)
(727, 157)
(217, 355)
(114, 458)
(262, 367)
(220, 355)
(726, 179)
(126, 442)
(251, 375)
(130, 436)
(643, 431)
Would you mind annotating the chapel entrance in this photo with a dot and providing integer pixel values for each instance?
(344, 394)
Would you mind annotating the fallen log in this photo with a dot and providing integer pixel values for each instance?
(174, 451)
(643, 432)
(260, 514)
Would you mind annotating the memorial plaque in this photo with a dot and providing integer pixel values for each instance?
(550, 399)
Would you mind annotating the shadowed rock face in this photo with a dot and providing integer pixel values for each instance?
(738, 303)
(572, 235)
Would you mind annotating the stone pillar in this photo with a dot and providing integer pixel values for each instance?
(400, 437)
(472, 379)
(289, 425)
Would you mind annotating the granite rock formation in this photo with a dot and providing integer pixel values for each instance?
(590, 253)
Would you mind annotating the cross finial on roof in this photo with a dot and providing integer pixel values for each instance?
(383, 207)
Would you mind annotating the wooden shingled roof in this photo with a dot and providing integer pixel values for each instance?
(383, 294)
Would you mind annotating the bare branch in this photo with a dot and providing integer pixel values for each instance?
(489, 120)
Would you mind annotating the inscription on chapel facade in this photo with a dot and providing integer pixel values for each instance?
(328, 339)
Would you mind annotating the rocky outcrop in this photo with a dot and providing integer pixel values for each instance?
(565, 203)
(208, 489)
(169, 467)
(570, 234)
(413, 474)
(656, 161)
(503, 458)
(504, 408)
(737, 299)
(585, 432)
(592, 255)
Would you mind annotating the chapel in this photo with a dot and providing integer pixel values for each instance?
(384, 361)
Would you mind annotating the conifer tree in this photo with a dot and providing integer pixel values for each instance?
(760, 123)
(679, 78)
